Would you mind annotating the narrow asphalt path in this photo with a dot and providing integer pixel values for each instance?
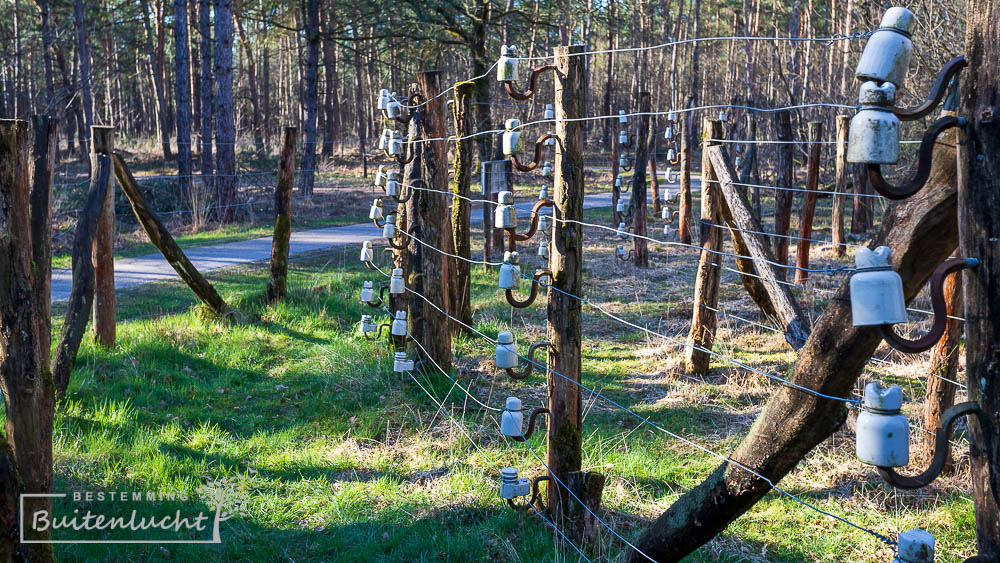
(130, 272)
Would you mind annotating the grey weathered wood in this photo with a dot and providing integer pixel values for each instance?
(706, 285)
(785, 306)
(979, 223)
(44, 164)
(165, 243)
(685, 215)
(783, 198)
(638, 198)
(461, 209)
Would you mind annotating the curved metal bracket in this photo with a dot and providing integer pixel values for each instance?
(378, 335)
(529, 366)
(630, 162)
(941, 449)
(396, 245)
(674, 215)
(630, 143)
(408, 188)
(531, 425)
(675, 161)
(381, 298)
(937, 92)
(627, 257)
(413, 152)
(534, 490)
(512, 90)
(539, 145)
(937, 305)
(539, 274)
(533, 228)
(913, 184)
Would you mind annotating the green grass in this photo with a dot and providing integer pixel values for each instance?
(347, 461)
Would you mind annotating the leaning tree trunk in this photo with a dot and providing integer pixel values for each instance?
(922, 232)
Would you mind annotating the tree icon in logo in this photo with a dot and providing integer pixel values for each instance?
(227, 496)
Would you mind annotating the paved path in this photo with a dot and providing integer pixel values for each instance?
(130, 272)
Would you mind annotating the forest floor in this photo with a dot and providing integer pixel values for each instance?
(345, 460)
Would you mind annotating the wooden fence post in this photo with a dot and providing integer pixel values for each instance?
(706, 285)
(654, 177)
(979, 223)
(808, 210)
(783, 197)
(843, 125)
(408, 258)
(432, 326)
(105, 304)
(685, 215)
(282, 217)
(861, 216)
(28, 395)
(616, 193)
(565, 440)
(44, 160)
(640, 252)
(461, 211)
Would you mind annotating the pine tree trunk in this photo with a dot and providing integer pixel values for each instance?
(183, 93)
(225, 122)
(310, 96)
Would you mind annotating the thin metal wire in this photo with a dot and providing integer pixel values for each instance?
(448, 89)
(826, 40)
(801, 190)
(792, 237)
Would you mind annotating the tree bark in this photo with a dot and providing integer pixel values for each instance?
(25, 380)
(979, 195)
(921, 232)
(310, 96)
(432, 328)
(461, 211)
(225, 121)
(182, 61)
(44, 165)
(642, 134)
(165, 243)
(83, 52)
(282, 217)
(808, 209)
(783, 197)
(156, 57)
(205, 92)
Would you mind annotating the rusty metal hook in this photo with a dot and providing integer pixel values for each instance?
(381, 298)
(938, 90)
(913, 184)
(513, 237)
(539, 274)
(408, 188)
(534, 487)
(529, 366)
(937, 305)
(531, 425)
(629, 163)
(539, 145)
(630, 143)
(942, 447)
(512, 90)
(378, 335)
(413, 152)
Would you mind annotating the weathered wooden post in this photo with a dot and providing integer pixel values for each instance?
(44, 163)
(616, 193)
(808, 209)
(461, 211)
(28, 394)
(654, 178)
(783, 198)
(282, 217)
(105, 304)
(979, 223)
(640, 254)
(432, 326)
(685, 215)
(706, 285)
(843, 125)
(565, 440)
(861, 216)
(408, 259)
